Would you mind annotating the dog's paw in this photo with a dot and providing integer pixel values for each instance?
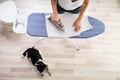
(42, 75)
(22, 57)
(49, 74)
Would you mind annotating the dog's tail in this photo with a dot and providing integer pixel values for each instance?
(24, 53)
(47, 70)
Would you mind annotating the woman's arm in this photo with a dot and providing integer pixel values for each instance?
(77, 23)
(54, 6)
(55, 16)
(84, 7)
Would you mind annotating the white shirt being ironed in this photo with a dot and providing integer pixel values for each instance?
(69, 5)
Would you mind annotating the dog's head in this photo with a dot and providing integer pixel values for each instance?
(40, 66)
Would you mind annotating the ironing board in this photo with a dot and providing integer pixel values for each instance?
(37, 27)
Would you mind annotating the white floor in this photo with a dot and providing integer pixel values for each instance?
(98, 58)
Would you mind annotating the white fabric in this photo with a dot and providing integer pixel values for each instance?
(67, 20)
(8, 11)
(19, 24)
(69, 5)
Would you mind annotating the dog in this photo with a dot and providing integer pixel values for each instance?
(36, 60)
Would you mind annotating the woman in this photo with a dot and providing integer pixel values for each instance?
(71, 6)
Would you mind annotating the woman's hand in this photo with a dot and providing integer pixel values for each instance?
(77, 25)
(56, 17)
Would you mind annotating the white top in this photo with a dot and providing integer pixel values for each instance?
(69, 5)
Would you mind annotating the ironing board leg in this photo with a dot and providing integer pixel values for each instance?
(74, 43)
(39, 41)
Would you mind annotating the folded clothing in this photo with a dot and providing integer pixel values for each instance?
(67, 20)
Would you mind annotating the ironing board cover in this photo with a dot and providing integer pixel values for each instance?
(36, 26)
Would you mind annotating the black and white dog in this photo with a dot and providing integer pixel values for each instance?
(36, 60)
